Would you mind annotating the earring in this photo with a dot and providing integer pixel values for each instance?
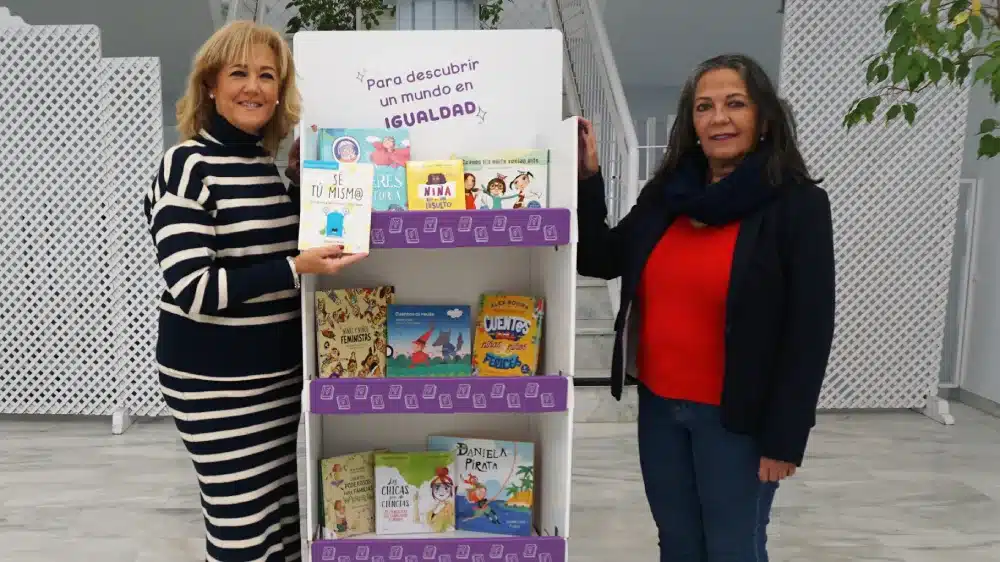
(211, 96)
(277, 102)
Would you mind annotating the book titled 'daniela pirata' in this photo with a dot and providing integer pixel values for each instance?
(496, 483)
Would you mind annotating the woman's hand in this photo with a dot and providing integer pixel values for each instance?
(292, 171)
(328, 260)
(587, 149)
(774, 471)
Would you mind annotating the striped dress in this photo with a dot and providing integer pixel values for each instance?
(229, 351)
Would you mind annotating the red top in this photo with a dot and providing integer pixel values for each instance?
(682, 295)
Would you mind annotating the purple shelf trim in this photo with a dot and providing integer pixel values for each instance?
(467, 395)
(489, 549)
(460, 229)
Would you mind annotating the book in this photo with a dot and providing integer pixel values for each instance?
(336, 205)
(432, 185)
(511, 179)
(508, 336)
(495, 483)
(351, 331)
(429, 341)
(388, 150)
(414, 492)
(348, 494)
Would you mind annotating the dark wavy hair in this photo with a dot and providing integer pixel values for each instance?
(785, 165)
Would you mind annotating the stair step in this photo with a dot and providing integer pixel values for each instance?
(582, 281)
(595, 327)
(592, 373)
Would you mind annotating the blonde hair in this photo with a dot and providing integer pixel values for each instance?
(233, 43)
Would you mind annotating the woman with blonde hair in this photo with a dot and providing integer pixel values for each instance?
(229, 350)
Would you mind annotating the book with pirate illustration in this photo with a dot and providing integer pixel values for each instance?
(508, 336)
(387, 150)
(351, 331)
(434, 185)
(429, 341)
(495, 483)
(511, 179)
(336, 205)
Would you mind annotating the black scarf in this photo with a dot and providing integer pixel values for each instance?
(743, 192)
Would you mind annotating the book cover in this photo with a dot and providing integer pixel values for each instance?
(351, 331)
(414, 492)
(512, 179)
(433, 185)
(495, 483)
(386, 149)
(508, 336)
(336, 205)
(348, 494)
(429, 341)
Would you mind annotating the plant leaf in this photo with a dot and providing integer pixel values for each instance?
(988, 125)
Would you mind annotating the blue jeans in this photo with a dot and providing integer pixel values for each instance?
(701, 482)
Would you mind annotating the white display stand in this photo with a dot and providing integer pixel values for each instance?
(508, 87)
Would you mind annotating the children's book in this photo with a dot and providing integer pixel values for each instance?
(495, 481)
(348, 494)
(508, 336)
(433, 185)
(429, 341)
(388, 150)
(513, 179)
(336, 205)
(351, 331)
(414, 492)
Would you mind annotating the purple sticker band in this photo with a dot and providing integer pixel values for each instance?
(486, 549)
(461, 395)
(463, 229)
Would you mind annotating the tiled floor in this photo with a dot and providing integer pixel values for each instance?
(890, 487)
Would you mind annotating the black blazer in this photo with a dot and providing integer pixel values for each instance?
(779, 309)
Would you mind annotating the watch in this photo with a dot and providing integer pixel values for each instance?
(295, 273)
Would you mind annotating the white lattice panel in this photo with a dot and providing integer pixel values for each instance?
(132, 133)
(894, 192)
(69, 233)
(55, 250)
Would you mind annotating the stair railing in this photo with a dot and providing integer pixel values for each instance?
(600, 98)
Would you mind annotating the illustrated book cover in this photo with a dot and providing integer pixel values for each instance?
(508, 336)
(336, 205)
(512, 179)
(348, 494)
(433, 185)
(429, 341)
(495, 483)
(414, 492)
(388, 150)
(351, 331)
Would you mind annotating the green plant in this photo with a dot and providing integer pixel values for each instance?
(336, 15)
(489, 13)
(344, 15)
(934, 43)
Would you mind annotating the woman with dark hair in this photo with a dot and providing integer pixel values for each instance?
(726, 313)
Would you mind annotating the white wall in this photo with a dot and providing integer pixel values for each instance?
(169, 29)
(656, 43)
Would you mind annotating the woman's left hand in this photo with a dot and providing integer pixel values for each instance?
(773, 471)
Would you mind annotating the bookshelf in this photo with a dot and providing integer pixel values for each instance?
(451, 257)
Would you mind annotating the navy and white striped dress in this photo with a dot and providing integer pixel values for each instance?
(229, 350)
